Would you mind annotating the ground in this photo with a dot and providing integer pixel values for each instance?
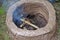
(57, 8)
(3, 27)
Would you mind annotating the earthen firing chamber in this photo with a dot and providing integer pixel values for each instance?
(33, 7)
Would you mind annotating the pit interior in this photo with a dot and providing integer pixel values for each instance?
(33, 13)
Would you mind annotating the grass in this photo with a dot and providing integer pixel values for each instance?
(2, 11)
(57, 8)
(3, 27)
